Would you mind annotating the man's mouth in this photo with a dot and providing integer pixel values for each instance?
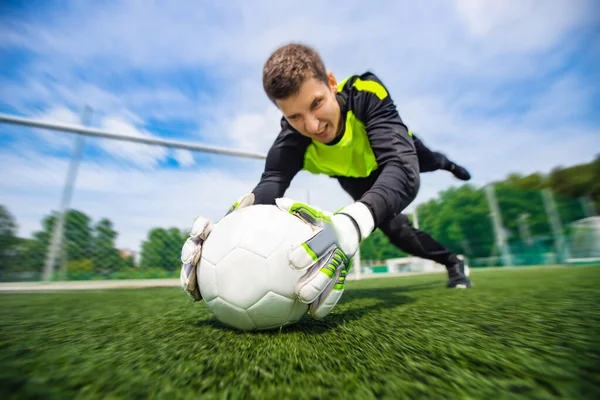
(323, 131)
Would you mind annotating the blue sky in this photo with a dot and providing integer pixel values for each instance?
(499, 86)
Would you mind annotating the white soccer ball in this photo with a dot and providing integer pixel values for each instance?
(244, 275)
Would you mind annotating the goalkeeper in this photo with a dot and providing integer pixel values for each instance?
(350, 131)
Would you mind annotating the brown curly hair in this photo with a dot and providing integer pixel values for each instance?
(288, 67)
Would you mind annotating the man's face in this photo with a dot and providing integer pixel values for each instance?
(314, 111)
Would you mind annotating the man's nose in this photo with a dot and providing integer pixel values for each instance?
(312, 125)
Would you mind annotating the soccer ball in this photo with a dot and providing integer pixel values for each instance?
(244, 275)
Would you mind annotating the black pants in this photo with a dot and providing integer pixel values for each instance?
(430, 160)
(416, 242)
(399, 229)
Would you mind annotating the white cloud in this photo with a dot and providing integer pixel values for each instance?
(61, 114)
(140, 154)
(234, 36)
(66, 90)
(185, 158)
(569, 98)
(135, 200)
(250, 131)
(492, 147)
(57, 140)
(402, 41)
(522, 25)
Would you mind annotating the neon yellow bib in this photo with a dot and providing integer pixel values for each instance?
(352, 156)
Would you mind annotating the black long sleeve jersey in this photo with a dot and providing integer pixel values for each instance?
(374, 151)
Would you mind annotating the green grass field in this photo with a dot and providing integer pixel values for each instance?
(530, 333)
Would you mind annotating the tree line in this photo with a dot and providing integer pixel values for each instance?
(458, 218)
(89, 249)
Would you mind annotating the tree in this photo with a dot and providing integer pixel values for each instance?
(516, 201)
(106, 257)
(84, 249)
(162, 249)
(8, 239)
(577, 181)
(377, 247)
(459, 219)
(128, 262)
(77, 241)
(77, 235)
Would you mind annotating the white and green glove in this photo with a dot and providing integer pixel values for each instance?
(190, 256)
(326, 255)
(192, 249)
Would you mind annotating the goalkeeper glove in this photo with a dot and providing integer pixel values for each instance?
(327, 254)
(245, 201)
(192, 249)
(190, 256)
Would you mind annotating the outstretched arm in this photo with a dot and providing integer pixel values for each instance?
(284, 160)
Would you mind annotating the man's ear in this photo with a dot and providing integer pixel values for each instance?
(332, 82)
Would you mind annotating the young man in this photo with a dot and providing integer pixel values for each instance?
(350, 131)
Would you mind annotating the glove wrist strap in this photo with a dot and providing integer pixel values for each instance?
(361, 217)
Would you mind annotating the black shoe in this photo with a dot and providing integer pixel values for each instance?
(456, 276)
(460, 173)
